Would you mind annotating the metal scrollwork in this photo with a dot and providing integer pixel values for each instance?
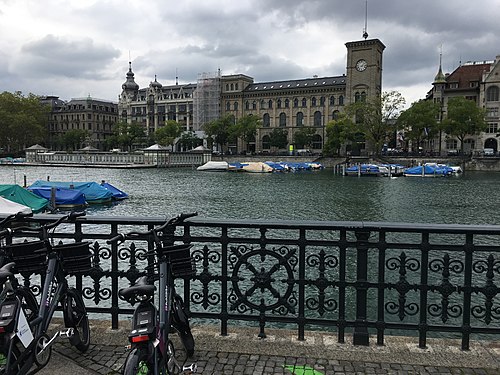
(262, 279)
(207, 258)
(491, 309)
(323, 263)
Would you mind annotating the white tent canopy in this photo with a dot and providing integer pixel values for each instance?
(10, 208)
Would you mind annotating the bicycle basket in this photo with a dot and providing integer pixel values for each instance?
(30, 257)
(75, 257)
(180, 258)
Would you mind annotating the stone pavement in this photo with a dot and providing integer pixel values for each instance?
(242, 353)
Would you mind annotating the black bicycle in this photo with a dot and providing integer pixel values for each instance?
(31, 346)
(152, 350)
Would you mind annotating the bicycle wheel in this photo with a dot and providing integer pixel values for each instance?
(14, 355)
(187, 340)
(76, 317)
(28, 303)
(138, 363)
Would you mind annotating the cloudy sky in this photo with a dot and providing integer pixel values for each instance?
(73, 48)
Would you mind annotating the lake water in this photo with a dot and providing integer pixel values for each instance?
(322, 195)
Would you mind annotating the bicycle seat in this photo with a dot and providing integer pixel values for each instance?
(7, 271)
(141, 287)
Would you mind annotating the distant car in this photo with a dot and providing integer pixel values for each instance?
(489, 152)
(452, 152)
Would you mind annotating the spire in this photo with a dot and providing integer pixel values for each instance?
(130, 82)
(365, 33)
(440, 78)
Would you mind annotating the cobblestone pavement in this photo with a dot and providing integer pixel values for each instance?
(242, 353)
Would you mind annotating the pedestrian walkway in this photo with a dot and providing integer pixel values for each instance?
(242, 353)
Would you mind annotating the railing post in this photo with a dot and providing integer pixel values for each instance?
(360, 336)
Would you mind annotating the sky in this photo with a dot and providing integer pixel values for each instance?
(76, 48)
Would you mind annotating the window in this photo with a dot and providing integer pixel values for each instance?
(232, 86)
(266, 120)
(317, 118)
(235, 106)
(287, 103)
(236, 86)
(304, 103)
(254, 105)
(492, 112)
(317, 142)
(313, 102)
(322, 101)
(262, 104)
(266, 142)
(492, 128)
(341, 100)
(279, 103)
(247, 105)
(228, 106)
(282, 119)
(300, 119)
(332, 100)
(451, 144)
(227, 87)
(295, 103)
(270, 104)
(492, 94)
(335, 115)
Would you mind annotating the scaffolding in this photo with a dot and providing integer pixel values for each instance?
(206, 99)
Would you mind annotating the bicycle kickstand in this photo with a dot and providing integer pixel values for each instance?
(64, 333)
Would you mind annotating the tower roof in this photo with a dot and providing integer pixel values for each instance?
(130, 84)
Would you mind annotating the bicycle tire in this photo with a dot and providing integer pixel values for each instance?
(76, 313)
(28, 303)
(15, 354)
(138, 363)
(187, 340)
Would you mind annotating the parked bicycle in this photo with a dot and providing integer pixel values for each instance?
(24, 340)
(152, 350)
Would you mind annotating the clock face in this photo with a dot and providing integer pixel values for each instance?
(361, 65)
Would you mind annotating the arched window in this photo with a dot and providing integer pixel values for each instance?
(279, 103)
(357, 97)
(313, 101)
(304, 102)
(247, 105)
(332, 100)
(254, 105)
(228, 106)
(295, 103)
(317, 118)
(282, 119)
(227, 87)
(322, 101)
(232, 87)
(235, 106)
(287, 103)
(266, 120)
(300, 119)
(492, 94)
(262, 104)
(270, 104)
(266, 142)
(341, 100)
(236, 86)
(335, 115)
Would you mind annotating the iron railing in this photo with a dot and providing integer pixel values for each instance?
(368, 278)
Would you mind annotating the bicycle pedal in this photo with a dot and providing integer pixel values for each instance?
(67, 333)
(191, 369)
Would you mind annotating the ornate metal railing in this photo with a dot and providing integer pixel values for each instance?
(368, 278)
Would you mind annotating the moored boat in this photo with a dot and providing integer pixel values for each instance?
(60, 197)
(214, 166)
(94, 193)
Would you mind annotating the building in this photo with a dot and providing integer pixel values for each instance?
(289, 104)
(476, 81)
(96, 117)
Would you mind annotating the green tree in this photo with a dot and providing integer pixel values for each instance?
(127, 134)
(278, 138)
(338, 133)
(245, 129)
(166, 135)
(23, 121)
(376, 117)
(303, 137)
(189, 140)
(420, 121)
(463, 118)
(220, 130)
(74, 138)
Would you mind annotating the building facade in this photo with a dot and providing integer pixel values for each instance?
(96, 117)
(290, 104)
(476, 81)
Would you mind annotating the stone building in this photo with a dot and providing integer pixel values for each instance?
(476, 81)
(96, 116)
(288, 104)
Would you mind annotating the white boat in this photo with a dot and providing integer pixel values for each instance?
(8, 207)
(216, 166)
(256, 167)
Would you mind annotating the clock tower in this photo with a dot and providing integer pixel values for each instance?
(364, 69)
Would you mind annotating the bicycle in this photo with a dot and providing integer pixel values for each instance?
(31, 346)
(152, 350)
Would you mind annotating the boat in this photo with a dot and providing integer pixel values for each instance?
(94, 193)
(11, 208)
(18, 194)
(256, 167)
(60, 197)
(214, 166)
(118, 195)
(367, 170)
(428, 170)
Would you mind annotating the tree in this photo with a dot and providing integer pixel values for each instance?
(420, 121)
(73, 139)
(166, 135)
(304, 137)
(219, 130)
(126, 134)
(189, 140)
(278, 138)
(376, 117)
(245, 128)
(338, 132)
(23, 121)
(463, 118)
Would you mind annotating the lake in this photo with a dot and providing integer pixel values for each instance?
(319, 195)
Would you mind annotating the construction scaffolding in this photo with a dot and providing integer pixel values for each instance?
(206, 99)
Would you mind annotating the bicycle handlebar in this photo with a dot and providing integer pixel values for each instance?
(70, 217)
(16, 216)
(171, 222)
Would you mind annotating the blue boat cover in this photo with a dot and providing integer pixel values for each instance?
(94, 193)
(64, 197)
(117, 193)
(18, 194)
